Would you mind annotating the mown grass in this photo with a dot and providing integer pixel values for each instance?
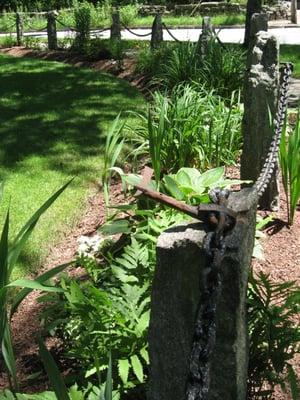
(53, 119)
(291, 52)
(185, 20)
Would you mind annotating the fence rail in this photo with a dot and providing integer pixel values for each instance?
(53, 19)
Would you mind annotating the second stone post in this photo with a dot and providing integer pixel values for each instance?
(179, 287)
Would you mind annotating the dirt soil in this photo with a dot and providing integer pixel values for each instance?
(281, 249)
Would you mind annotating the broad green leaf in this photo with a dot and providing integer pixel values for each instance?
(34, 285)
(42, 278)
(137, 367)
(172, 188)
(211, 177)
(132, 179)
(53, 373)
(193, 173)
(115, 227)
(183, 178)
(123, 367)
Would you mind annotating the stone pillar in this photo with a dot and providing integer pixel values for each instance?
(253, 7)
(205, 37)
(19, 28)
(294, 11)
(260, 106)
(259, 22)
(51, 30)
(179, 282)
(115, 30)
(157, 32)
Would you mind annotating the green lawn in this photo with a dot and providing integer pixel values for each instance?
(291, 52)
(53, 119)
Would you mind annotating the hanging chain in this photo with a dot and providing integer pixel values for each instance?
(271, 160)
(214, 245)
(205, 329)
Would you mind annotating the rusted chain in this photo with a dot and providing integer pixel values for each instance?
(136, 34)
(171, 34)
(271, 160)
(66, 26)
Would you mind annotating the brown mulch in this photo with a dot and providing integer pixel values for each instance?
(281, 245)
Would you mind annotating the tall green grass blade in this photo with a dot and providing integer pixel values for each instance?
(109, 382)
(53, 373)
(3, 276)
(41, 279)
(8, 354)
(34, 285)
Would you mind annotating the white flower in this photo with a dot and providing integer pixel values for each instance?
(89, 245)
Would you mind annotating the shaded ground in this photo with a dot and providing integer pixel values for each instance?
(53, 124)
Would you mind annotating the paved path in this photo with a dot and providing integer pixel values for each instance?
(288, 35)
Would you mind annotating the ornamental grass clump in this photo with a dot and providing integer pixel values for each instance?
(191, 127)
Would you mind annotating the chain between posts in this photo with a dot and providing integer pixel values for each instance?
(136, 34)
(271, 160)
(170, 33)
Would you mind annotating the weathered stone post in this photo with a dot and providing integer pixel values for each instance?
(205, 37)
(178, 286)
(157, 35)
(260, 105)
(259, 22)
(19, 28)
(294, 11)
(115, 30)
(51, 30)
(253, 7)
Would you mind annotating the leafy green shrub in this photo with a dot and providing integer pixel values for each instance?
(289, 156)
(190, 185)
(273, 317)
(8, 41)
(221, 69)
(192, 128)
(83, 25)
(149, 60)
(112, 312)
(128, 14)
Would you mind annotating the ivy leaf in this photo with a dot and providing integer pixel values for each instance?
(123, 368)
(137, 368)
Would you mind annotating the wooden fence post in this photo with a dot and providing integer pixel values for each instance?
(157, 32)
(115, 30)
(19, 28)
(51, 30)
(179, 286)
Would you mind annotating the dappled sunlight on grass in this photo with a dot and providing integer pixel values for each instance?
(53, 120)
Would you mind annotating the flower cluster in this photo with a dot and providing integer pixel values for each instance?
(89, 245)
